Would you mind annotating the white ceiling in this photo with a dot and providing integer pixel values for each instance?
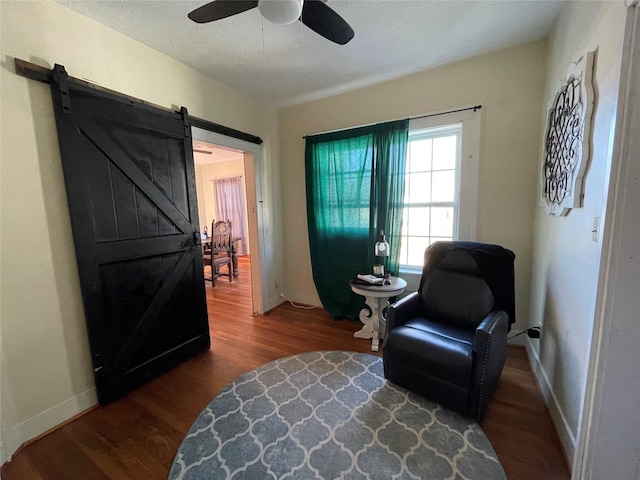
(205, 153)
(288, 64)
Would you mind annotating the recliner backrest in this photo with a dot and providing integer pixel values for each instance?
(455, 292)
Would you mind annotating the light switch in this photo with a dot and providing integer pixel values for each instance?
(595, 231)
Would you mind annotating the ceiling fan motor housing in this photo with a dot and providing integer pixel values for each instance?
(281, 12)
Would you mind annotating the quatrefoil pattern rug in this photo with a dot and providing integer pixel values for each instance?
(330, 415)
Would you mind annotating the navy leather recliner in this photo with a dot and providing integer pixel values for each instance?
(448, 340)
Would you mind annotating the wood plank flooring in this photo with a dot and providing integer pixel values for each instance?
(136, 438)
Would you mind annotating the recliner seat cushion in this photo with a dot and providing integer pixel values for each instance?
(419, 345)
(448, 330)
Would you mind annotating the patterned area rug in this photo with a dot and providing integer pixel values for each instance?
(330, 415)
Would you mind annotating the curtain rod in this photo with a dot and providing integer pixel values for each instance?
(475, 108)
(225, 178)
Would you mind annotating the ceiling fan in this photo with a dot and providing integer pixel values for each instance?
(315, 14)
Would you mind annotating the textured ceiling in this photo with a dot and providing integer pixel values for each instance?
(288, 64)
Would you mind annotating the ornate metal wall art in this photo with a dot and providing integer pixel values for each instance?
(567, 139)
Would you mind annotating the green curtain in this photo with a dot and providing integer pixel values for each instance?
(355, 188)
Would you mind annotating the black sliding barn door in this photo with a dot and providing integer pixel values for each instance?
(129, 176)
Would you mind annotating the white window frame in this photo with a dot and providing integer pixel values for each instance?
(468, 175)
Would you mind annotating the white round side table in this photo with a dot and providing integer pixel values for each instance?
(377, 298)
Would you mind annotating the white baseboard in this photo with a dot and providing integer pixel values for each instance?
(567, 437)
(32, 427)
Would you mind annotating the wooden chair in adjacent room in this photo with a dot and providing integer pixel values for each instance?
(219, 254)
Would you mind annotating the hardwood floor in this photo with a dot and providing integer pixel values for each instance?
(137, 436)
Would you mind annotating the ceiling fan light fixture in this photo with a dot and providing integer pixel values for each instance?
(281, 12)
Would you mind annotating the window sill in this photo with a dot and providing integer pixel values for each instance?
(410, 271)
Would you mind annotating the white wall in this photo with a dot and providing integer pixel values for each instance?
(509, 84)
(566, 260)
(45, 373)
(609, 437)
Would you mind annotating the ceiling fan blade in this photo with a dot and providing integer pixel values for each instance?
(323, 20)
(219, 9)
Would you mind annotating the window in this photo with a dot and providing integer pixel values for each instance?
(351, 202)
(345, 193)
(440, 184)
(431, 191)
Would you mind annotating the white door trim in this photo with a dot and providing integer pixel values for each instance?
(252, 162)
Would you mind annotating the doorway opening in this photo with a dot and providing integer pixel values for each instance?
(221, 163)
(222, 196)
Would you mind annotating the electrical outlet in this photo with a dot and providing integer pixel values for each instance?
(534, 332)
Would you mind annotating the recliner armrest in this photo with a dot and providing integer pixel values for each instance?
(403, 310)
(492, 324)
(490, 348)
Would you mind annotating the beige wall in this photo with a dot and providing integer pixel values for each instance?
(567, 261)
(45, 371)
(509, 85)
